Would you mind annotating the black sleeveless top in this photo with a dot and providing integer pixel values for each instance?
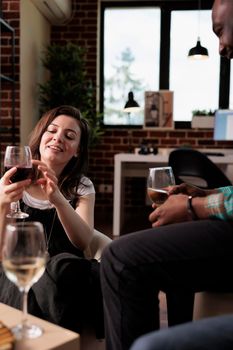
(56, 238)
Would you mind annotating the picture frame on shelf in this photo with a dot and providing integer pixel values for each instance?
(158, 111)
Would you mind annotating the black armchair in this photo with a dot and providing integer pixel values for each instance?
(195, 167)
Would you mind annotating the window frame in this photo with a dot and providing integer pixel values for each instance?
(166, 8)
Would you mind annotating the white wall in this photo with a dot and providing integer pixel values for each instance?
(34, 37)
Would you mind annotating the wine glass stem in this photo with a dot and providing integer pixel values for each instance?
(17, 207)
(25, 308)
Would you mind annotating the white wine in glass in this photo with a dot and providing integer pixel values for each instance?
(158, 181)
(21, 158)
(23, 261)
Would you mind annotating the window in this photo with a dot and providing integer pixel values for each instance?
(195, 83)
(143, 47)
(131, 57)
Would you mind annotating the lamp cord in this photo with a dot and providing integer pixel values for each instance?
(199, 18)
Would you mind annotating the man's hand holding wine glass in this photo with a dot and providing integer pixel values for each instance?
(159, 181)
(173, 210)
(169, 203)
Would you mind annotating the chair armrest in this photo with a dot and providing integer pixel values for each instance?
(98, 243)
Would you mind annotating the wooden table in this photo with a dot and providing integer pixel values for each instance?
(54, 337)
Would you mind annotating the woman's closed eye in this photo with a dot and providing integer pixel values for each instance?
(70, 135)
(52, 131)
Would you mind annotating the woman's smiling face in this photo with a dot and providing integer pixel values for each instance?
(60, 142)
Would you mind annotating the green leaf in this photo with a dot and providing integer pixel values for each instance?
(68, 84)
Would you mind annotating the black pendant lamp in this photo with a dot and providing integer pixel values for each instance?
(131, 105)
(198, 52)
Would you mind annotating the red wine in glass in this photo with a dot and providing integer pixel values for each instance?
(21, 173)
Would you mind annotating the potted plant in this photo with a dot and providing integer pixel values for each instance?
(68, 84)
(203, 118)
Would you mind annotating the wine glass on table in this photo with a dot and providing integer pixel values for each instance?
(158, 181)
(21, 158)
(23, 261)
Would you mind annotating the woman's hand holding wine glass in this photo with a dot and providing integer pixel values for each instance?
(23, 259)
(19, 157)
(11, 192)
(158, 181)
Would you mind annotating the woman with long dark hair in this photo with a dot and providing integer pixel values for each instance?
(62, 198)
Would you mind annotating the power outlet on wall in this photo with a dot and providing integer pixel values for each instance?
(105, 188)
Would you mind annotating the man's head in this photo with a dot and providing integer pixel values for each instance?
(222, 17)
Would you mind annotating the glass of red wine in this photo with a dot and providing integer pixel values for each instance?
(21, 158)
(158, 181)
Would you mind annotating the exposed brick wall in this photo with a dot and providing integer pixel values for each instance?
(10, 13)
(83, 29)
